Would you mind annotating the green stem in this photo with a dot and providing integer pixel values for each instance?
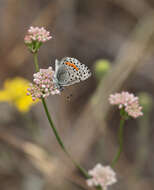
(60, 141)
(120, 139)
(36, 62)
(52, 125)
(82, 170)
(98, 188)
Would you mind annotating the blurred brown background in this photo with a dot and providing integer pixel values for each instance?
(119, 31)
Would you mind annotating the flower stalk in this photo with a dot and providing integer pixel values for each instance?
(82, 170)
(98, 188)
(120, 139)
(36, 62)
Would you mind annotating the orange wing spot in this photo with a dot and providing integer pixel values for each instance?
(72, 65)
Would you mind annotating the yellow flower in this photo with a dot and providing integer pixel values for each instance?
(15, 92)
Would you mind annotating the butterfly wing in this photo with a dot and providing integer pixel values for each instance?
(69, 71)
(78, 70)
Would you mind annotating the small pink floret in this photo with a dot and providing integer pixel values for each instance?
(37, 34)
(127, 101)
(43, 84)
(103, 176)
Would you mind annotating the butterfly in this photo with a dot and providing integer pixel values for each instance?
(69, 71)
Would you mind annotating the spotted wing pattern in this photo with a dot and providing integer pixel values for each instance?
(69, 71)
(77, 70)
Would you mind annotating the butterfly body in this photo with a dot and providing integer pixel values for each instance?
(69, 71)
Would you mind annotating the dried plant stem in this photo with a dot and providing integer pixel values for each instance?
(82, 170)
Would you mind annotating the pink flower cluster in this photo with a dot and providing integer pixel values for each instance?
(43, 84)
(101, 176)
(127, 101)
(37, 34)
